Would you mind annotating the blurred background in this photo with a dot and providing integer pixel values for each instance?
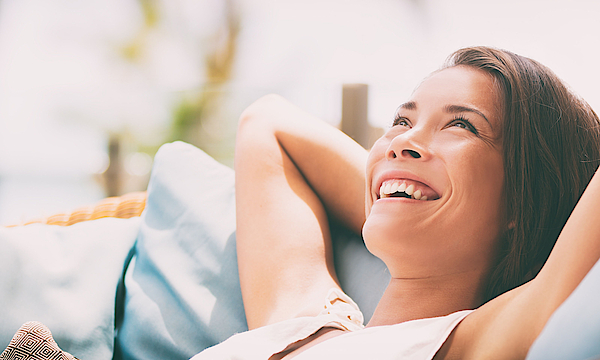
(90, 89)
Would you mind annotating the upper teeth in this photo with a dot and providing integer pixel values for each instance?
(398, 186)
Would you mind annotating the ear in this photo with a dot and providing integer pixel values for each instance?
(511, 225)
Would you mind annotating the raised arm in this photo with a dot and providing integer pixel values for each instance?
(332, 163)
(506, 327)
(292, 171)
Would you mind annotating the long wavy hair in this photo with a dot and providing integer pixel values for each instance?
(551, 146)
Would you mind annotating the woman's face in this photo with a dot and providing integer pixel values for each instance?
(445, 145)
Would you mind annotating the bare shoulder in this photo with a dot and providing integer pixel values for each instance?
(506, 327)
(503, 328)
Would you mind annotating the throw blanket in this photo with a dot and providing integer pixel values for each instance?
(33, 341)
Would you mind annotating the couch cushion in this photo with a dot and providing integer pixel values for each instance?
(66, 278)
(182, 287)
(573, 331)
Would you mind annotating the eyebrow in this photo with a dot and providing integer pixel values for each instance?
(411, 105)
(452, 109)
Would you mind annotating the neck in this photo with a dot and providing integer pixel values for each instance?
(410, 299)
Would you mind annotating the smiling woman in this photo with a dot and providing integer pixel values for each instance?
(500, 151)
(459, 155)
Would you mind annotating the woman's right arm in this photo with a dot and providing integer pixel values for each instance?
(292, 172)
(332, 163)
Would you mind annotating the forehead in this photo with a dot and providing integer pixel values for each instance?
(461, 86)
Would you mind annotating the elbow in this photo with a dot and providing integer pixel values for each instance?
(260, 121)
(260, 111)
(257, 125)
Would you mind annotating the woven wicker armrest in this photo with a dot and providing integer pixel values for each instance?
(122, 207)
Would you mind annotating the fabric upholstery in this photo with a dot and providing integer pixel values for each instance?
(65, 277)
(573, 331)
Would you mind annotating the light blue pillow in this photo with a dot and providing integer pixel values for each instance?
(66, 278)
(182, 286)
(573, 331)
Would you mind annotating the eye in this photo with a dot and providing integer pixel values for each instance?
(401, 121)
(463, 123)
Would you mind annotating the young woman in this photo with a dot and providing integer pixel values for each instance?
(466, 195)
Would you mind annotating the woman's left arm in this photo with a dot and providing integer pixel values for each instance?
(575, 253)
(507, 326)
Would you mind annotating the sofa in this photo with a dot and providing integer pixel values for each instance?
(153, 275)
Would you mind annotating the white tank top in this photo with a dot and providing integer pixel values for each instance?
(412, 340)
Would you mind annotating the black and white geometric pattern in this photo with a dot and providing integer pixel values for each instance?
(33, 341)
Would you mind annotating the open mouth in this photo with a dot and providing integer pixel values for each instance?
(409, 189)
(402, 194)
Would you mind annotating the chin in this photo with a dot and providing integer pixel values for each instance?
(392, 242)
(418, 248)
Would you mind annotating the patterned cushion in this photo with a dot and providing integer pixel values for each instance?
(33, 341)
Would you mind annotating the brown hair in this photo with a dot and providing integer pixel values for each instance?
(551, 145)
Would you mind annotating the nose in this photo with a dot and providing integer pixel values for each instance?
(405, 153)
(407, 146)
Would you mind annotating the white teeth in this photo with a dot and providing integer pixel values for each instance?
(392, 187)
(402, 187)
(417, 194)
(388, 188)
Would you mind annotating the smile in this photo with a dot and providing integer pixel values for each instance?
(406, 189)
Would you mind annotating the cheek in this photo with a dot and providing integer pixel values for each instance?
(480, 175)
(474, 168)
(376, 154)
(478, 194)
(377, 151)
(475, 212)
